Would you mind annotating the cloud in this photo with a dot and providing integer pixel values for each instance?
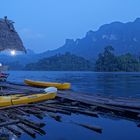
(27, 33)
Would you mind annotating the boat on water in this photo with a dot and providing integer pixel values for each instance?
(3, 75)
(3, 68)
(61, 86)
(20, 99)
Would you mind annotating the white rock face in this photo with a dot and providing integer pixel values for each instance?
(105, 37)
(77, 41)
(113, 37)
(134, 39)
(109, 37)
(94, 39)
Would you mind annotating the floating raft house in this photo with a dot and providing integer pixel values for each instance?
(9, 38)
(67, 103)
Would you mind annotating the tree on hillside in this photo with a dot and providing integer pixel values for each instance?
(61, 62)
(106, 61)
(128, 63)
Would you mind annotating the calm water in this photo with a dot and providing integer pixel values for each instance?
(110, 84)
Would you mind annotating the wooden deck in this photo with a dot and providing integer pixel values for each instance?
(67, 102)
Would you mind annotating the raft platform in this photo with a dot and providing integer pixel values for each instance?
(16, 119)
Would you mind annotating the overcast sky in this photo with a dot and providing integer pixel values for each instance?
(45, 24)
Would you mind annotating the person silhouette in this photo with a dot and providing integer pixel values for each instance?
(9, 24)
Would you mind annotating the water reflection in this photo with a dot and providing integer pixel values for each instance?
(110, 84)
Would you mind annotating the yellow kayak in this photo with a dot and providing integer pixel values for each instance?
(21, 99)
(61, 86)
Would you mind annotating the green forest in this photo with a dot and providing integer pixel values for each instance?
(109, 62)
(61, 62)
(106, 62)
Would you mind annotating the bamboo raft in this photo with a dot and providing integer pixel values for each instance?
(67, 102)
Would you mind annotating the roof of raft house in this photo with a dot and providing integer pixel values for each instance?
(9, 38)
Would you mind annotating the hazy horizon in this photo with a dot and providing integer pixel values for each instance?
(44, 25)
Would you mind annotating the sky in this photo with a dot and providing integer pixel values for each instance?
(45, 24)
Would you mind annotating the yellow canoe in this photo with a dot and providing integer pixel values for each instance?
(61, 86)
(21, 99)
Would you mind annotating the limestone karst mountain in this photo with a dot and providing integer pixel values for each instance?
(124, 37)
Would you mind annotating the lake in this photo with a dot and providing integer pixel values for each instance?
(108, 84)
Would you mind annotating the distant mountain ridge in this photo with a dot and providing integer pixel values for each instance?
(124, 37)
